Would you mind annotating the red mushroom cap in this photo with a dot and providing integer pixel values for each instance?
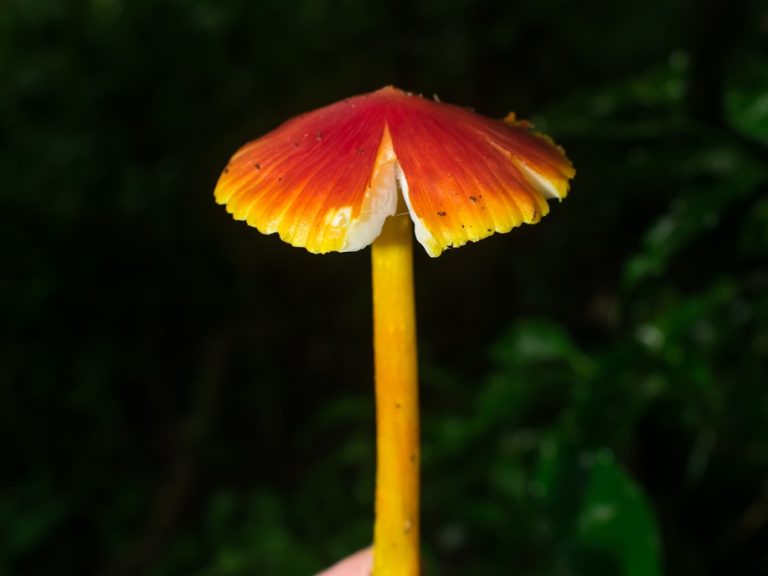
(327, 180)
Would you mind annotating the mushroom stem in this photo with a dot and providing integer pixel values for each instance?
(396, 532)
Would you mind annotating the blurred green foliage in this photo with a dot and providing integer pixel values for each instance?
(179, 395)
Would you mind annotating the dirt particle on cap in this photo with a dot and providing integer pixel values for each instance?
(441, 213)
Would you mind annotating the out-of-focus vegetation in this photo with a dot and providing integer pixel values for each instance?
(180, 395)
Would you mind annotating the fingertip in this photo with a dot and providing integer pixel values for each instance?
(359, 564)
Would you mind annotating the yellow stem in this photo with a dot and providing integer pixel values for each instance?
(396, 532)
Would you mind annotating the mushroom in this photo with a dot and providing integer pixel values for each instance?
(347, 176)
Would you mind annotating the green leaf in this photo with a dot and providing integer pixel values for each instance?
(539, 341)
(616, 520)
(746, 97)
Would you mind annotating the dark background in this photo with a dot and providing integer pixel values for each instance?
(181, 395)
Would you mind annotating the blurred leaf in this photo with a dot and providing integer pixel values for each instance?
(714, 180)
(538, 341)
(645, 105)
(746, 92)
(616, 519)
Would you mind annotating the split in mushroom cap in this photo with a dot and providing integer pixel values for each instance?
(327, 180)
